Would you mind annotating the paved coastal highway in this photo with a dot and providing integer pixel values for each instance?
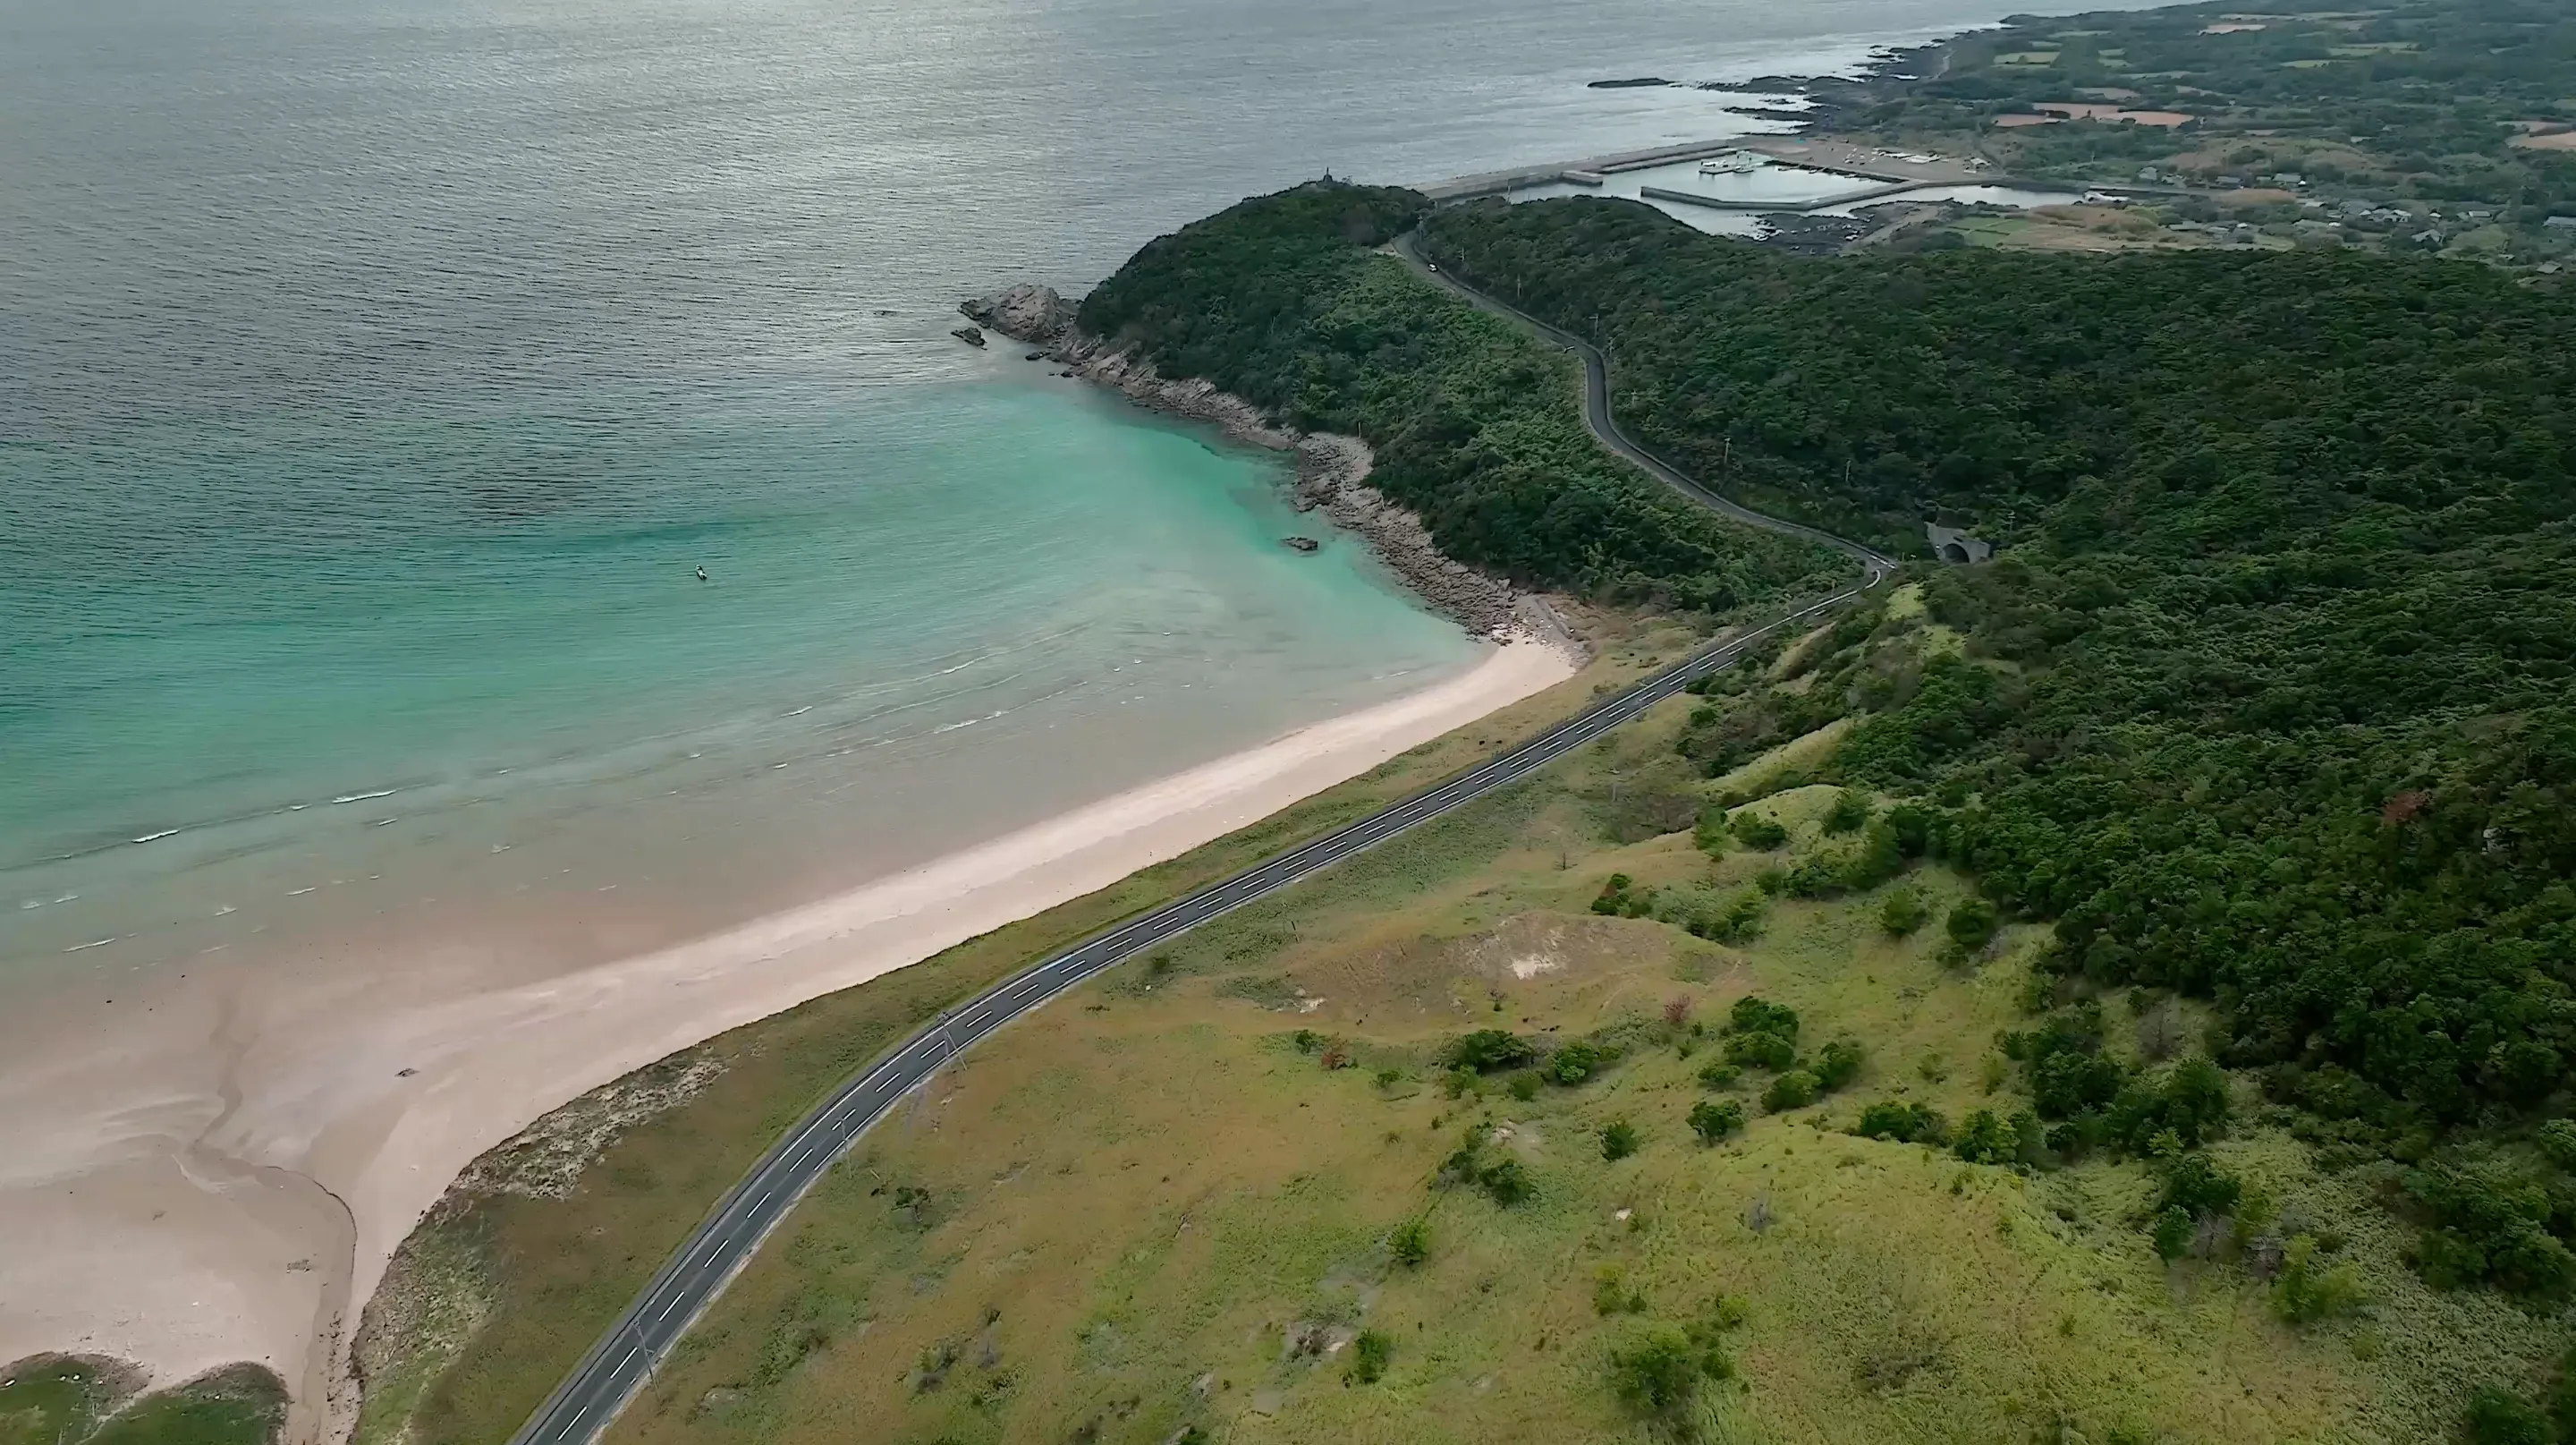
(619, 1363)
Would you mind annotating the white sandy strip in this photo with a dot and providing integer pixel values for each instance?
(242, 1257)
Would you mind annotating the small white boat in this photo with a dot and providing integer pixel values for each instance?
(1731, 163)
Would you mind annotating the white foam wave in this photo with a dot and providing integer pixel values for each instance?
(362, 797)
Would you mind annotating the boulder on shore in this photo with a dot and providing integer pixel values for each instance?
(969, 335)
(1034, 314)
(1302, 544)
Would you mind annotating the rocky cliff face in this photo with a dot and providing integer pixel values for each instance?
(1332, 471)
(1034, 314)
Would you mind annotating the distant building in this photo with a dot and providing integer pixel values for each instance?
(2561, 223)
(2150, 174)
(1956, 547)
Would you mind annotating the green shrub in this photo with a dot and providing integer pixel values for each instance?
(1487, 1050)
(2306, 1292)
(2197, 1186)
(1760, 1051)
(1459, 1082)
(1836, 1064)
(1370, 1353)
(2497, 1418)
(1739, 921)
(1902, 912)
(1971, 924)
(1662, 1371)
(1410, 1244)
(1719, 1074)
(1986, 1138)
(1507, 1182)
(2190, 1102)
(1714, 1121)
(1903, 1122)
(1850, 810)
(1710, 834)
(2174, 1229)
(1757, 832)
(1751, 1015)
(1619, 1139)
(1575, 1062)
(1795, 1089)
(1615, 900)
(1881, 856)
(1524, 1086)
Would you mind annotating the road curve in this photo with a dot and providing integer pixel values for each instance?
(622, 1360)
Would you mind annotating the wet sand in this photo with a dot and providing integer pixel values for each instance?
(223, 1174)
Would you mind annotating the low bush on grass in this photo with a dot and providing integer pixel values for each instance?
(1619, 1139)
(2307, 1292)
(1758, 832)
(1985, 1137)
(1713, 1121)
(1488, 1050)
(1760, 1051)
(1906, 1123)
(1370, 1353)
(1795, 1089)
(1410, 1244)
(1902, 912)
(1836, 1064)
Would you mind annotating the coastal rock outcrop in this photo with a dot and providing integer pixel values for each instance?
(1034, 314)
(1332, 476)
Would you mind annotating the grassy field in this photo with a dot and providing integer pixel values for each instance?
(74, 1400)
(496, 1296)
(1173, 1206)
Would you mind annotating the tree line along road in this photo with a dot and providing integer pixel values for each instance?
(622, 1360)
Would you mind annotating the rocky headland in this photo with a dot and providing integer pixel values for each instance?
(1332, 470)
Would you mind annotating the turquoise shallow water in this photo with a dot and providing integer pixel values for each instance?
(374, 373)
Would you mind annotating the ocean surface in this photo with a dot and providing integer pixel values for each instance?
(375, 375)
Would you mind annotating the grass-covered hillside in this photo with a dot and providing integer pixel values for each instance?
(1599, 1111)
(1476, 425)
(2268, 700)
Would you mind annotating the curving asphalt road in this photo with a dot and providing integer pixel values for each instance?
(619, 1364)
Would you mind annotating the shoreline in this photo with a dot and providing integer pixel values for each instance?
(1332, 469)
(275, 1196)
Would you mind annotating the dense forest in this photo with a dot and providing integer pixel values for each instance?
(1476, 425)
(2267, 699)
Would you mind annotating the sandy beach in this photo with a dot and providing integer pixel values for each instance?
(223, 1175)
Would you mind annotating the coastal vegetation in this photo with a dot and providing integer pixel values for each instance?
(1476, 425)
(2266, 704)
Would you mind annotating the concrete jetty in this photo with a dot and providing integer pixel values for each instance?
(1587, 172)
